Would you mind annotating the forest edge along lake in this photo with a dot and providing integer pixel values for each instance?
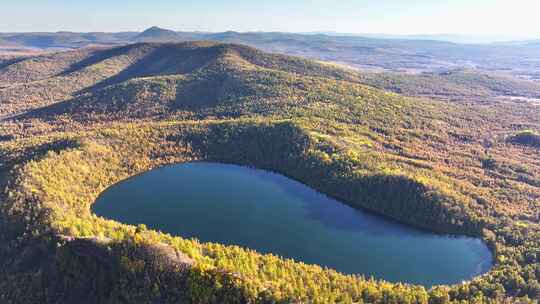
(271, 213)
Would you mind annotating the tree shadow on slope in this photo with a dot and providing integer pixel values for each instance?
(91, 270)
(97, 57)
(10, 158)
(149, 98)
(286, 148)
(162, 60)
(21, 219)
(158, 97)
(9, 62)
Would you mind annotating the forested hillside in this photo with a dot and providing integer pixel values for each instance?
(74, 123)
(38, 81)
(80, 77)
(455, 85)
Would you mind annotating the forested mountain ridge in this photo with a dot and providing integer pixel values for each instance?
(34, 82)
(398, 55)
(86, 119)
(37, 81)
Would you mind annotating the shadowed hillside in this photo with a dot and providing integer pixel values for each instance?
(205, 79)
(526, 138)
(39, 81)
(42, 80)
(194, 74)
(30, 83)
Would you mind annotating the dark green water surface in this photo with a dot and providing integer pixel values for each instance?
(273, 214)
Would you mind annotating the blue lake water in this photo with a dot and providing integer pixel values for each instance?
(271, 213)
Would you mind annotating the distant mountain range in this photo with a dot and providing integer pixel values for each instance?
(372, 52)
(65, 39)
(454, 38)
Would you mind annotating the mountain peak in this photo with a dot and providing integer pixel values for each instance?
(156, 33)
(155, 28)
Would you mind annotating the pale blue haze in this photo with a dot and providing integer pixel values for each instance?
(517, 18)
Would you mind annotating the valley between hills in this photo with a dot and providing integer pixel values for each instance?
(445, 152)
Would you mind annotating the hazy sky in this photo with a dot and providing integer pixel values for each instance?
(506, 17)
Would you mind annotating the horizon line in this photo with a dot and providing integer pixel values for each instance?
(489, 36)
